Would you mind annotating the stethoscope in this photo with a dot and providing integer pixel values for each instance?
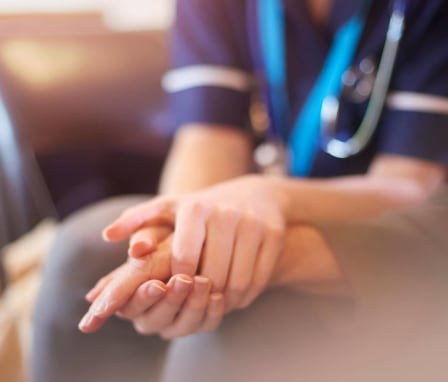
(316, 124)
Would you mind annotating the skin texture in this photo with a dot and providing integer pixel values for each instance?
(234, 233)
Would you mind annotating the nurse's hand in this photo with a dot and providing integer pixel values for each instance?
(231, 233)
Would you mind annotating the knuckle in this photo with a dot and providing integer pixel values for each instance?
(252, 222)
(196, 207)
(228, 215)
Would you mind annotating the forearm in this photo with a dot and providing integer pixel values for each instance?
(205, 155)
(391, 183)
(309, 201)
(396, 251)
(308, 263)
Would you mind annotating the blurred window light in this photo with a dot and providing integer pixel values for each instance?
(139, 14)
(40, 66)
(30, 6)
(118, 14)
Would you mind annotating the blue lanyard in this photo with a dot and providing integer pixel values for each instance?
(304, 138)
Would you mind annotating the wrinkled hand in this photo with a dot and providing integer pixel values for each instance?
(114, 290)
(175, 309)
(231, 233)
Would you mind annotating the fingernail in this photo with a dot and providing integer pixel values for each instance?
(85, 321)
(201, 279)
(215, 297)
(155, 290)
(181, 284)
(201, 285)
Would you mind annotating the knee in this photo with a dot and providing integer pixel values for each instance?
(79, 257)
(78, 254)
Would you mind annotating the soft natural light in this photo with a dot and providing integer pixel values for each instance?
(118, 14)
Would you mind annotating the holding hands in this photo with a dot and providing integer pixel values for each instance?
(216, 250)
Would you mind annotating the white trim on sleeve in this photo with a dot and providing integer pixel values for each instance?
(207, 75)
(408, 101)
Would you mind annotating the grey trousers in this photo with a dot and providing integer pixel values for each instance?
(283, 336)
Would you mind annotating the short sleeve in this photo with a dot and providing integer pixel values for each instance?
(415, 120)
(210, 80)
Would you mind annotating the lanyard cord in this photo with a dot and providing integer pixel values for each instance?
(304, 138)
(271, 16)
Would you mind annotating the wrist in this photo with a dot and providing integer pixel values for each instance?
(281, 193)
(308, 263)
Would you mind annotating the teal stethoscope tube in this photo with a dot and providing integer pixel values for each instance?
(305, 137)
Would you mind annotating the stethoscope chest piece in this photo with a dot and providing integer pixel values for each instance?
(358, 81)
(357, 85)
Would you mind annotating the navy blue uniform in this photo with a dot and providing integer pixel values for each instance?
(217, 54)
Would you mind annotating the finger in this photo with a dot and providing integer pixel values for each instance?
(90, 323)
(193, 311)
(188, 239)
(93, 293)
(127, 279)
(117, 292)
(215, 313)
(218, 248)
(270, 250)
(157, 210)
(247, 246)
(145, 240)
(144, 298)
(163, 313)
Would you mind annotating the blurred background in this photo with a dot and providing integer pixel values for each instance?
(82, 118)
(82, 112)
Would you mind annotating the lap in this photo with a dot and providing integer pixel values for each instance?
(280, 337)
(77, 259)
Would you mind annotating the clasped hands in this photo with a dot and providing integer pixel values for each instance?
(192, 258)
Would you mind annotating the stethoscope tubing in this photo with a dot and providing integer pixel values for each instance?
(363, 135)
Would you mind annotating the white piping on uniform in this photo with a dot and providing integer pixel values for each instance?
(207, 75)
(408, 101)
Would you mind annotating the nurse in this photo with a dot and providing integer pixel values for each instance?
(230, 227)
